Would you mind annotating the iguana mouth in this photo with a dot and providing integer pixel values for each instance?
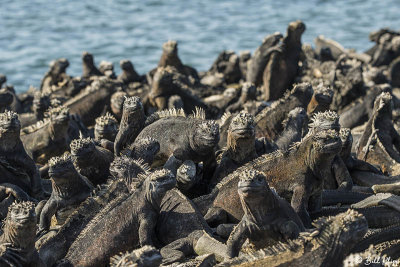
(332, 146)
(245, 132)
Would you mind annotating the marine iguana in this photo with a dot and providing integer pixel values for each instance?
(69, 190)
(90, 160)
(146, 256)
(17, 243)
(328, 245)
(240, 146)
(49, 137)
(129, 74)
(247, 94)
(41, 103)
(106, 128)
(380, 142)
(321, 100)
(90, 102)
(55, 76)
(125, 223)
(6, 98)
(258, 62)
(267, 217)
(16, 167)
(269, 120)
(226, 66)
(88, 67)
(297, 175)
(132, 122)
(187, 138)
(117, 103)
(144, 149)
(107, 69)
(282, 65)
(168, 82)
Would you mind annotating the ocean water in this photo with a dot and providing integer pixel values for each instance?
(34, 32)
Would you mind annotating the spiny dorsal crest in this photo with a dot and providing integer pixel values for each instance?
(325, 120)
(225, 117)
(7, 116)
(132, 102)
(81, 143)
(106, 120)
(161, 175)
(250, 174)
(56, 111)
(125, 162)
(61, 161)
(199, 113)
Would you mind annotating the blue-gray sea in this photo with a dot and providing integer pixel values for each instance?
(34, 32)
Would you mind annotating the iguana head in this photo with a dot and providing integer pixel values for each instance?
(59, 66)
(117, 103)
(252, 183)
(322, 97)
(106, 127)
(132, 109)
(61, 169)
(242, 126)
(383, 104)
(326, 142)
(295, 30)
(205, 136)
(186, 175)
(323, 121)
(249, 92)
(9, 125)
(83, 147)
(163, 81)
(41, 102)
(6, 98)
(146, 256)
(145, 149)
(170, 47)
(157, 184)
(87, 59)
(126, 65)
(347, 142)
(341, 232)
(59, 117)
(20, 224)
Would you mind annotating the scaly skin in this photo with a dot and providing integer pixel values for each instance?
(90, 160)
(380, 143)
(129, 74)
(248, 93)
(296, 174)
(17, 243)
(69, 190)
(269, 120)
(124, 224)
(294, 126)
(55, 76)
(6, 98)
(132, 122)
(145, 149)
(48, 138)
(328, 245)
(321, 100)
(16, 166)
(187, 138)
(282, 65)
(41, 103)
(146, 256)
(267, 217)
(240, 147)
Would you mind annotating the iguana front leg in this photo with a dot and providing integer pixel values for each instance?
(300, 204)
(48, 211)
(342, 175)
(236, 239)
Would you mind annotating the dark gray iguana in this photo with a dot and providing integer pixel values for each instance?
(16, 167)
(69, 190)
(17, 243)
(327, 245)
(296, 174)
(125, 223)
(267, 217)
(91, 160)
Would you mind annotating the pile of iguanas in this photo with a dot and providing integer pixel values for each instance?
(287, 157)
